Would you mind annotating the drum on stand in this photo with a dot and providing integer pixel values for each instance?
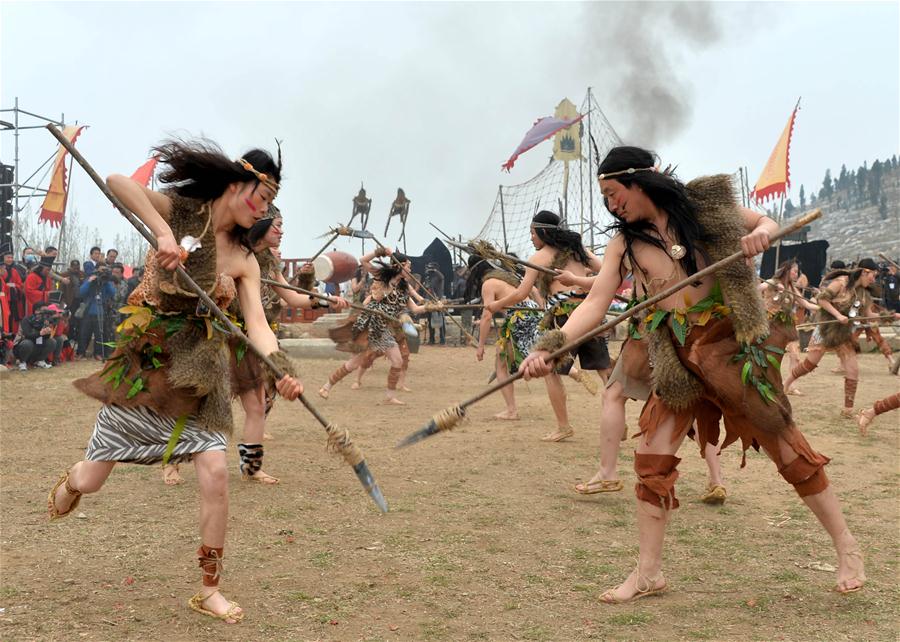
(335, 267)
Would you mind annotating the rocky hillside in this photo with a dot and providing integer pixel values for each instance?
(861, 216)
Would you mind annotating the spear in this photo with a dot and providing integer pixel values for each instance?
(502, 256)
(850, 320)
(894, 263)
(325, 297)
(338, 440)
(469, 337)
(448, 418)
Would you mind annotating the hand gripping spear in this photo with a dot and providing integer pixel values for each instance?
(338, 440)
(325, 297)
(470, 339)
(448, 418)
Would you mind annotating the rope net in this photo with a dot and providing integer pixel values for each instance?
(580, 204)
(573, 199)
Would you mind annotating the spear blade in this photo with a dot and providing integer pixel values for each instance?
(364, 475)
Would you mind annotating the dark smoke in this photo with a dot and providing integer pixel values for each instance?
(638, 47)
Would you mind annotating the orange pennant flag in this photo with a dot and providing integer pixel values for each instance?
(143, 173)
(776, 175)
(54, 206)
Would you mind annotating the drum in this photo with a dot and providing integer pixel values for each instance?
(335, 267)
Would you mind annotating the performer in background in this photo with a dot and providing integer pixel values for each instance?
(703, 349)
(166, 385)
(846, 297)
(560, 249)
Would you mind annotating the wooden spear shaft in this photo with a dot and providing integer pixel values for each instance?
(850, 321)
(433, 428)
(325, 297)
(469, 337)
(894, 263)
(362, 471)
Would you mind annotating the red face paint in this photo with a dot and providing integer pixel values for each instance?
(250, 204)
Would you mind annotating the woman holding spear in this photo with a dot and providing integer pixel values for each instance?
(249, 381)
(559, 249)
(707, 344)
(177, 404)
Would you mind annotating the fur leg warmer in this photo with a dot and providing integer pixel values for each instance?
(339, 374)
(251, 456)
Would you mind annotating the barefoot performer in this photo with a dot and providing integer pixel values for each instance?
(559, 249)
(177, 401)
(867, 415)
(518, 332)
(708, 345)
(846, 297)
(368, 334)
(783, 300)
(249, 381)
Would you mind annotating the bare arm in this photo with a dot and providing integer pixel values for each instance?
(293, 299)
(592, 310)
(153, 209)
(760, 228)
(519, 294)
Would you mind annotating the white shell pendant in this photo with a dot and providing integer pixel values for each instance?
(677, 252)
(190, 244)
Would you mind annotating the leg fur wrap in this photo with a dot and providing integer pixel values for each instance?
(404, 352)
(551, 341)
(807, 478)
(251, 456)
(210, 564)
(338, 374)
(803, 368)
(656, 479)
(849, 392)
(393, 377)
(888, 403)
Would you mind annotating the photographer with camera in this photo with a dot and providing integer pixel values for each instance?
(37, 284)
(34, 342)
(96, 292)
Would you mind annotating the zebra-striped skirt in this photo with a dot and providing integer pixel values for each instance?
(140, 436)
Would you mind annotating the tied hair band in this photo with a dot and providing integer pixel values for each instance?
(265, 179)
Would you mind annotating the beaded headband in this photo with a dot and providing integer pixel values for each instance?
(265, 179)
(630, 170)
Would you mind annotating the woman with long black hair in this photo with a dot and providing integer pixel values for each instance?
(560, 249)
(165, 389)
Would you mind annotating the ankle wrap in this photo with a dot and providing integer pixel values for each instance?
(403, 344)
(210, 564)
(393, 377)
(339, 374)
(803, 368)
(656, 479)
(251, 458)
(849, 392)
(881, 406)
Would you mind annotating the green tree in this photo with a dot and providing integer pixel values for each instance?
(827, 186)
(862, 177)
(802, 198)
(789, 208)
(882, 207)
(843, 178)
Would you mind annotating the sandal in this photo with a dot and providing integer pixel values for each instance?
(323, 392)
(609, 597)
(51, 498)
(559, 434)
(171, 476)
(859, 576)
(794, 391)
(715, 495)
(865, 417)
(847, 413)
(196, 604)
(599, 486)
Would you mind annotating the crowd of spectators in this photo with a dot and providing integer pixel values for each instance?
(48, 317)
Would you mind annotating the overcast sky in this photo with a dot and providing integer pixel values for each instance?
(433, 97)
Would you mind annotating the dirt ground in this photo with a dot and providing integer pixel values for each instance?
(485, 539)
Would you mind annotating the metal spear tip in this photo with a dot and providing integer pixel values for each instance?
(365, 478)
(419, 435)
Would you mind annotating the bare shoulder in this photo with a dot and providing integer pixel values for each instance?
(543, 256)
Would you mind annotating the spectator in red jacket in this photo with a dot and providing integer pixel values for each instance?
(38, 284)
